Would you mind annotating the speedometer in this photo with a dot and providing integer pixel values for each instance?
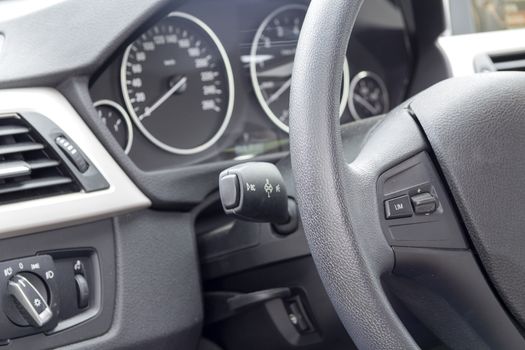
(177, 83)
(271, 62)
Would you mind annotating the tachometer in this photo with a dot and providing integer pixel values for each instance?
(177, 83)
(271, 62)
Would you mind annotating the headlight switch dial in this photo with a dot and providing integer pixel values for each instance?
(30, 297)
(29, 301)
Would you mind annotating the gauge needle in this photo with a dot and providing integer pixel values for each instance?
(282, 71)
(366, 104)
(279, 92)
(163, 98)
(247, 59)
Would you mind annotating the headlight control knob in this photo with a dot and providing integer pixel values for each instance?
(30, 297)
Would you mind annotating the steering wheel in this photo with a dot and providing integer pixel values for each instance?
(425, 222)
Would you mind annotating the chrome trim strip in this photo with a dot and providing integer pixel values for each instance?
(12, 169)
(124, 115)
(252, 60)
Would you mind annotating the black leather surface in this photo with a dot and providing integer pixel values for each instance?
(350, 252)
(476, 127)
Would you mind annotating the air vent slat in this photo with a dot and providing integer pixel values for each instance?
(20, 148)
(34, 184)
(30, 167)
(21, 168)
(13, 169)
(13, 130)
(43, 163)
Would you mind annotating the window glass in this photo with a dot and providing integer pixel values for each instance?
(490, 15)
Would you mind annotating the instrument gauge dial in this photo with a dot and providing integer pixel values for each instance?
(177, 83)
(368, 96)
(117, 121)
(271, 63)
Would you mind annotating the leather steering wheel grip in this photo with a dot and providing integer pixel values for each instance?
(350, 257)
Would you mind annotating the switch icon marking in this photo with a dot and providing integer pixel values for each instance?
(8, 271)
(50, 275)
(78, 266)
(268, 188)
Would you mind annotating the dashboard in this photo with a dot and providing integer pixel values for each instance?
(208, 81)
(159, 97)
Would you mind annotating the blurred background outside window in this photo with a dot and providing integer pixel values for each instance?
(490, 15)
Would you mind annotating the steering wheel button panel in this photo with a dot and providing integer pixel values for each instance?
(399, 207)
(414, 186)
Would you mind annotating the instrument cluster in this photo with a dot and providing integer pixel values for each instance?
(210, 80)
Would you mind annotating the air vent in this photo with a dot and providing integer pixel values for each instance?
(500, 62)
(509, 62)
(29, 168)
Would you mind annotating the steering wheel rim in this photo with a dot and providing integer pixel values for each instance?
(320, 172)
